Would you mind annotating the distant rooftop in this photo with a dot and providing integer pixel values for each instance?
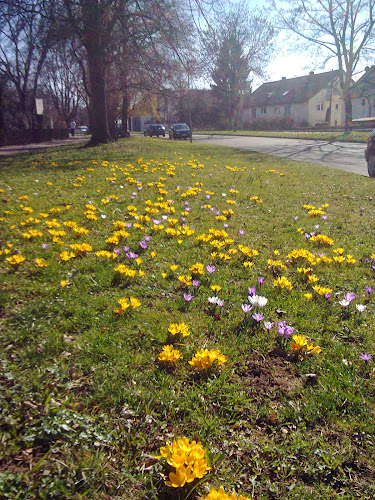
(292, 90)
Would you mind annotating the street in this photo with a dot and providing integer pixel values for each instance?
(347, 156)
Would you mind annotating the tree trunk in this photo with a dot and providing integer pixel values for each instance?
(99, 122)
(348, 110)
(124, 115)
(95, 42)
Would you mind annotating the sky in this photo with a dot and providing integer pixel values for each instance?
(293, 65)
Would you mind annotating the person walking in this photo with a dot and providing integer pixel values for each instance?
(72, 127)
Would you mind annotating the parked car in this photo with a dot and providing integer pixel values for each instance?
(179, 131)
(370, 154)
(82, 129)
(157, 130)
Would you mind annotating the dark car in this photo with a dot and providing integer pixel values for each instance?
(154, 130)
(179, 131)
(370, 154)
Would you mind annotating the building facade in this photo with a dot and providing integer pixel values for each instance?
(307, 100)
(363, 95)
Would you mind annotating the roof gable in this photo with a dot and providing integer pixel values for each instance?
(292, 90)
(365, 85)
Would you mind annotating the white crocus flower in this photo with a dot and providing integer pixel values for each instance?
(258, 300)
(344, 303)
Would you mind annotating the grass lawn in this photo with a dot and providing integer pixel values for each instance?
(182, 321)
(329, 135)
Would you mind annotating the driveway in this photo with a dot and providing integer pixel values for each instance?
(347, 156)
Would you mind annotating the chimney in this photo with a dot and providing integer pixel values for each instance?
(283, 78)
(311, 73)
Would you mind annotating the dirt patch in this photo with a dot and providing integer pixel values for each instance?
(269, 376)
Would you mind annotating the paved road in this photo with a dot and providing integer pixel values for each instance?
(346, 156)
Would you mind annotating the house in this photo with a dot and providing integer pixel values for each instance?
(305, 100)
(363, 95)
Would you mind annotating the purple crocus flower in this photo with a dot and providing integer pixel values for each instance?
(143, 244)
(258, 317)
(284, 330)
(349, 296)
(241, 232)
(226, 225)
(210, 269)
(117, 251)
(246, 308)
(252, 290)
(196, 283)
(208, 196)
(261, 281)
(328, 295)
(188, 297)
(220, 303)
(368, 289)
(132, 255)
(183, 219)
(147, 238)
(365, 357)
(268, 325)
(45, 246)
(125, 249)
(129, 225)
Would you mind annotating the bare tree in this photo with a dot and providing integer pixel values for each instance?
(62, 79)
(27, 32)
(237, 48)
(342, 30)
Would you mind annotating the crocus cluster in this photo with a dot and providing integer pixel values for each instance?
(125, 303)
(301, 345)
(220, 494)
(169, 354)
(187, 459)
(205, 358)
(179, 329)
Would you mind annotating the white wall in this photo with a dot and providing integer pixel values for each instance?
(363, 111)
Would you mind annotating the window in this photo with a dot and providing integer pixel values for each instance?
(363, 102)
(336, 106)
(276, 110)
(319, 107)
(263, 110)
